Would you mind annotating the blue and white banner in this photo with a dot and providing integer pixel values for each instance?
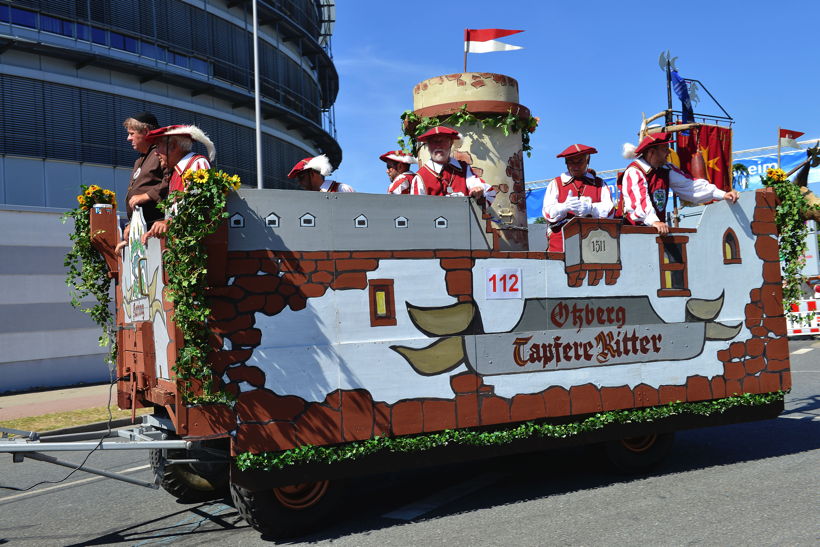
(757, 167)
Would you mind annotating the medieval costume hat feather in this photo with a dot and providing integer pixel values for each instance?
(190, 131)
(320, 164)
(398, 155)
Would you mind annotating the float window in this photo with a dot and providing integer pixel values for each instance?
(382, 303)
(731, 249)
(672, 258)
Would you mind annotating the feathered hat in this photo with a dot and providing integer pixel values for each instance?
(398, 155)
(190, 131)
(320, 164)
(653, 139)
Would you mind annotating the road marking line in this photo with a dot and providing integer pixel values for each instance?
(67, 484)
(801, 351)
(418, 508)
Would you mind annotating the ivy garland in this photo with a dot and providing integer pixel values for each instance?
(197, 213)
(508, 123)
(791, 225)
(87, 271)
(268, 461)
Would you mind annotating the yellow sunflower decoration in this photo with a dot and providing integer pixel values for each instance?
(776, 174)
(201, 176)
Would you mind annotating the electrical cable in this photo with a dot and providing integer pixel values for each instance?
(113, 382)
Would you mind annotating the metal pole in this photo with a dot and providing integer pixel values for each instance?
(92, 470)
(778, 147)
(256, 102)
(466, 41)
(668, 92)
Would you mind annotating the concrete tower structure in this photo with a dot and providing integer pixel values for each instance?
(492, 155)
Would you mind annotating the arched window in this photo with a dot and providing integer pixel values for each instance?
(731, 248)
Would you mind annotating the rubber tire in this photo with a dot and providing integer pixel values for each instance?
(189, 483)
(639, 454)
(264, 511)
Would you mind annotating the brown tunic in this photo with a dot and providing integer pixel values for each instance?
(147, 178)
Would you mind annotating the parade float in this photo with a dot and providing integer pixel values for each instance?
(301, 338)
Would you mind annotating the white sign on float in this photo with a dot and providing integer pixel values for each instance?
(503, 283)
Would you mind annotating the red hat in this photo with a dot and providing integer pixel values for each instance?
(320, 164)
(654, 139)
(439, 130)
(575, 150)
(398, 155)
(190, 131)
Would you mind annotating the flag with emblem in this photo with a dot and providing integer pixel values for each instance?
(714, 144)
(789, 138)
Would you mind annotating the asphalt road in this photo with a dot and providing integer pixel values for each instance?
(747, 484)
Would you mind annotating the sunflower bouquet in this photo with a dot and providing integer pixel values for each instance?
(87, 273)
(93, 194)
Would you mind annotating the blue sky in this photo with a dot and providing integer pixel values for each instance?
(588, 69)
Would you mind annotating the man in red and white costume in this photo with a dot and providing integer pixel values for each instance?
(310, 173)
(398, 171)
(648, 179)
(578, 192)
(442, 175)
(173, 146)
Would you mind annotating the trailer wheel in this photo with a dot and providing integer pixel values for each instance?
(190, 483)
(287, 511)
(639, 454)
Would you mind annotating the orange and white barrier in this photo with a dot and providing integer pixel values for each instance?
(804, 308)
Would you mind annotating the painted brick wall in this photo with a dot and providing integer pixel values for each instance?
(267, 421)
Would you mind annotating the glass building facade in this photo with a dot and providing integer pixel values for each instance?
(72, 70)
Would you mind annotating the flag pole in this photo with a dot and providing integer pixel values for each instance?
(466, 41)
(256, 101)
(668, 117)
(778, 147)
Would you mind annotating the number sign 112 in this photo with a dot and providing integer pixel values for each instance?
(504, 283)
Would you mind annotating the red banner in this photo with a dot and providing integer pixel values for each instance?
(714, 144)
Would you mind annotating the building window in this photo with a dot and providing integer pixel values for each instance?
(24, 18)
(307, 221)
(440, 222)
(400, 222)
(672, 259)
(382, 303)
(731, 248)
(360, 221)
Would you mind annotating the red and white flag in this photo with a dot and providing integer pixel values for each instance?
(789, 138)
(483, 40)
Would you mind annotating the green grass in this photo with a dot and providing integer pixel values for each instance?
(59, 420)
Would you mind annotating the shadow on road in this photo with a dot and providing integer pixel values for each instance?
(541, 475)
(523, 478)
(204, 518)
(802, 405)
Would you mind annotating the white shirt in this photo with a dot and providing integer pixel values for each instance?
(339, 188)
(636, 199)
(553, 212)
